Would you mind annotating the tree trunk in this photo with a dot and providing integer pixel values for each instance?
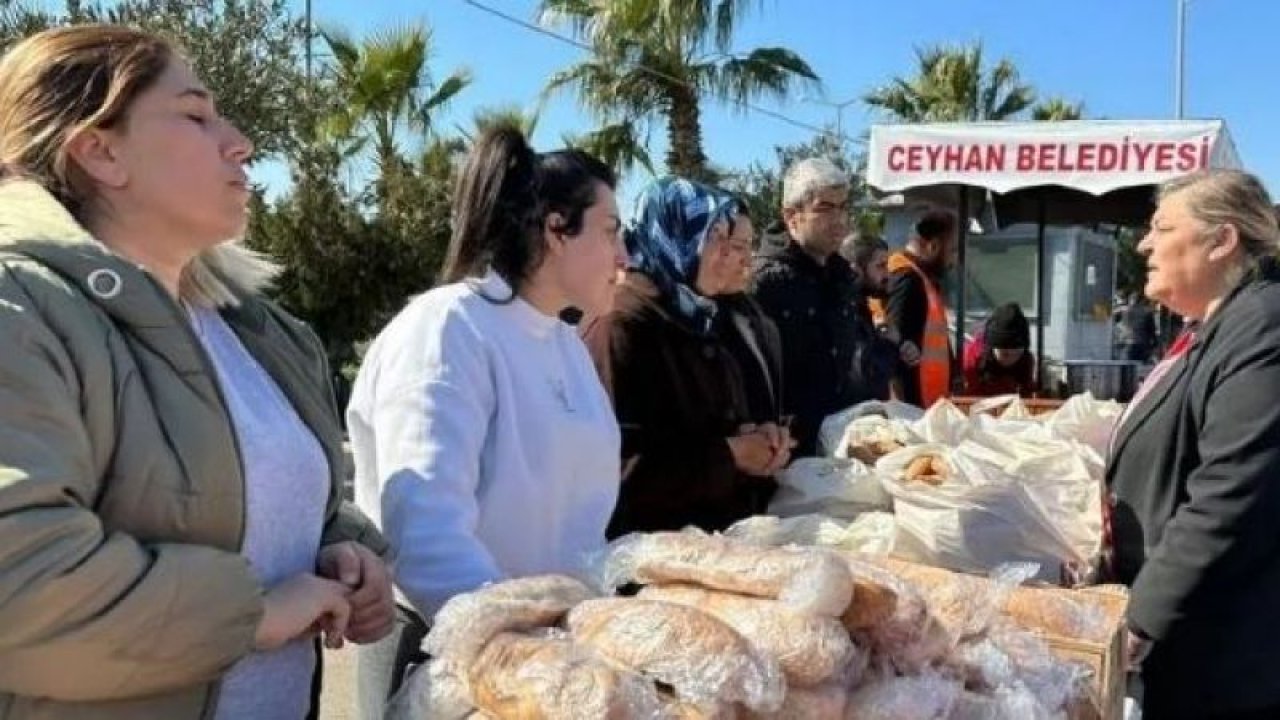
(684, 135)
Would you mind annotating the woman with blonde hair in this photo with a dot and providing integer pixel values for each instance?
(172, 534)
(1195, 460)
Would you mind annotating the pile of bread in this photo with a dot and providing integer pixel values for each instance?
(712, 627)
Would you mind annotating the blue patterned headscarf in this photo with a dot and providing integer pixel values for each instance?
(673, 219)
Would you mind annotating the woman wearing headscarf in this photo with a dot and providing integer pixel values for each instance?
(691, 455)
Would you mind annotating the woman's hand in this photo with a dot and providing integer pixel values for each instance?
(762, 450)
(301, 605)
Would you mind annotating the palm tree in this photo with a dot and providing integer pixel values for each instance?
(385, 85)
(494, 116)
(951, 85)
(661, 58)
(1057, 108)
(618, 145)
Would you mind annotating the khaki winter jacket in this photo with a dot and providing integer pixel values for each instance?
(122, 591)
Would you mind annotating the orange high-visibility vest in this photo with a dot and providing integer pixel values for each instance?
(934, 370)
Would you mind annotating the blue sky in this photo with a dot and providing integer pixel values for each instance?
(1115, 55)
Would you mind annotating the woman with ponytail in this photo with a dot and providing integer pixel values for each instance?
(485, 446)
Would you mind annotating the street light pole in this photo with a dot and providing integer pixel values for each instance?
(839, 108)
(1180, 59)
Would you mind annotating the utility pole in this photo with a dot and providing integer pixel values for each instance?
(1180, 60)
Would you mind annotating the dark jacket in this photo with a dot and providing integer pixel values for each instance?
(816, 308)
(1194, 472)
(762, 379)
(678, 396)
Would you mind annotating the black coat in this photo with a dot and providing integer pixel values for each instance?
(762, 379)
(678, 396)
(818, 310)
(1195, 472)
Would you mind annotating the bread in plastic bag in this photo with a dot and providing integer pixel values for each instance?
(1054, 612)
(546, 677)
(809, 648)
(964, 604)
(435, 690)
(870, 437)
(973, 520)
(894, 618)
(831, 434)
(1010, 663)
(467, 622)
(674, 708)
(927, 696)
(871, 533)
(807, 579)
(824, 702)
(701, 658)
(830, 486)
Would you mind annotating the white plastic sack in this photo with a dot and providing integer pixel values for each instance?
(834, 487)
(871, 533)
(832, 431)
(943, 423)
(975, 520)
(1087, 420)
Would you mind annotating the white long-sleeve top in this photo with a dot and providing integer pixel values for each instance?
(485, 446)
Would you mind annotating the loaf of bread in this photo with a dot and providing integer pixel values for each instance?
(809, 648)
(894, 617)
(436, 690)
(676, 709)
(468, 622)
(928, 469)
(1052, 611)
(524, 677)
(824, 702)
(963, 604)
(701, 658)
(807, 579)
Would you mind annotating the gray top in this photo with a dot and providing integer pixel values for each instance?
(286, 487)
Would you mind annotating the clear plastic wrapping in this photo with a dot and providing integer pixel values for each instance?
(871, 533)
(702, 658)
(548, 677)
(809, 648)
(834, 487)
(824, 702)
(1053, 612)
(807, 579)
(895, 618)
(436, 690)
(1016, 669)
(467, 622)
(927, 696)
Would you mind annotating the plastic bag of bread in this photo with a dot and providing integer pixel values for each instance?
(824, 702)
(1011, 664)
(676, 709)
(701, 658)
(894, 618)
(964, 604)
(1086, 419)
(871, 533)
(547, 676)
(927, 696)
(834, 487)
(1052, 611)
(871, 437)
(809, 648)
(833, 431)
(437, 690)
(807, 579)
(467, 622)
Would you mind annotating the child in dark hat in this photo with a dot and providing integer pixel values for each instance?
(998, 360)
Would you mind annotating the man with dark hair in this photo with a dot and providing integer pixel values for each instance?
(917, 309)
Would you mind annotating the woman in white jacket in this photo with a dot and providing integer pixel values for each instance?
(485, 446)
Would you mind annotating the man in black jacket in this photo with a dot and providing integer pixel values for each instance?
(812, 295)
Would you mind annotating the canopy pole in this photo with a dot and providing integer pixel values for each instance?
(1042, 295)
(962, 271)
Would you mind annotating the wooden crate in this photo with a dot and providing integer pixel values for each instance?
(1106, 659)
(1036, 406)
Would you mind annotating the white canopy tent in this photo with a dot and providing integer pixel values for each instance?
(1078, 171)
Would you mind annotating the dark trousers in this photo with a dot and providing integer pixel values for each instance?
(381, 667)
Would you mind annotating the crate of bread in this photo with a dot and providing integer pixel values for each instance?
(691, 625)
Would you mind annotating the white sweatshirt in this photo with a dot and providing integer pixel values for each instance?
(485, 446)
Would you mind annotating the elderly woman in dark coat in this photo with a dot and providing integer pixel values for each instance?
(691, 453)
(1194, 471)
